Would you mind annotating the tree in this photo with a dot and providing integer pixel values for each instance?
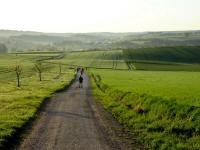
(39, 69)
(18, 71)
(60, 68)
(3, 48)
(187, 34)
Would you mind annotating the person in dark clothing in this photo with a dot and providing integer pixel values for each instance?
(80, 82)
(82, 71)
(77, 69)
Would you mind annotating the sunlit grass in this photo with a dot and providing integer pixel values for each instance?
(19, 104)
(161, 108)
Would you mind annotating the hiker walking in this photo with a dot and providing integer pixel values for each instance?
(80, 81)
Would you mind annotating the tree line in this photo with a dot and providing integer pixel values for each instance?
(3, 48)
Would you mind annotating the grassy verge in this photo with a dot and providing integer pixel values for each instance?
(22, 104)
(19, 105)
(158, 123)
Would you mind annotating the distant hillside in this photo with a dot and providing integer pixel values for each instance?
(3, 48)
(8, 33)
(187, 54)
(28, 40)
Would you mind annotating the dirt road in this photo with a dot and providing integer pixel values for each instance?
(72, 120)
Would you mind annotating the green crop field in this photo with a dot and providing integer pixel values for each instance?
(165, 66)
(18, 105)
(188, 54)
(162, 108)
(185, 58)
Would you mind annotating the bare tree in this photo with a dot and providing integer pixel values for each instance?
(18, 71)
(39, 69)
(60, 68)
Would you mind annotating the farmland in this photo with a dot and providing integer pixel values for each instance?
(18, 105)
(100, 75)
(157, 99)
(187, 54)
(17, 41)
(118, 59)
(155, 83)
(96, 59)
(164, 58)
(161, 108)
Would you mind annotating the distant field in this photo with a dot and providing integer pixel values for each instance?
(185, 58)
(189, 54)
(19, 105)
(161, 108)
(165, 66)
(118, 59)
(98, 59)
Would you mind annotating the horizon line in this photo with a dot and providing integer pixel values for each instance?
(150, 31)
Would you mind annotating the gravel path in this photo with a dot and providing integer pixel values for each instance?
(72, 120)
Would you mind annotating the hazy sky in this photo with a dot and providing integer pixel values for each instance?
(99, 15)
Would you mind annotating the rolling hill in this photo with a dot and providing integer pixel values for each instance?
(28, 40)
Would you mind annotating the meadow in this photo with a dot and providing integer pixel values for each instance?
(18, 105)
(94, 59)
(187, 54)
(118, 60)
(157, 99)
(179, 58)
(155, 83)
(161, 108)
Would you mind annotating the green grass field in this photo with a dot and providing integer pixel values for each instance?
(116, 59)
(165, 66)
(18, 105)
(158, 100)
(161, 108)
(156, 83)
(160, 105)
(185, 58)
(187, 54)
(96, 59)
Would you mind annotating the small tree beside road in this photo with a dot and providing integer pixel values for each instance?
(18, 71)
(39, 69)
